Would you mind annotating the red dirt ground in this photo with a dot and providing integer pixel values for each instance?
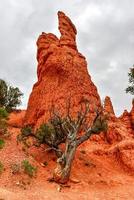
(96, 174)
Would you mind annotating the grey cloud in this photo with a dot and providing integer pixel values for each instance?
(105, 37)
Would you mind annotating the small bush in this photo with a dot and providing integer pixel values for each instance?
(26, 130)
(48, 134)
(1, 167)
(2, 143)
(45, 133)
(3, 113)
(28, 168)
(24, 136)
(3, 121)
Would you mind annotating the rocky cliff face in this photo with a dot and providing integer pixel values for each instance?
(62, 75)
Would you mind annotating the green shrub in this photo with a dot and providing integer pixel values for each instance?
(28, 168)
(3, 127)
(48, 134)
(3, 113)
(3, 121)
(2, 143)
(1, 167)
(26, 130)
(10, 97)
(45, 132)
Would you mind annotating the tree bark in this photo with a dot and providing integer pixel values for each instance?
(64, 163)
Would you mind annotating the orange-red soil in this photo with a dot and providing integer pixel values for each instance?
(96, 174)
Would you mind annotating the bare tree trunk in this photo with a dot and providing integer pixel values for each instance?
(64, 163)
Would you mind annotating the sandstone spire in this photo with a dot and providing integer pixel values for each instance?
(67, 30)
(108, 107)
(62, 74)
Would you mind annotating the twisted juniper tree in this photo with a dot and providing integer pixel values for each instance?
(70, 131)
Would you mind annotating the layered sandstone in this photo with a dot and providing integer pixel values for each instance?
(62, 76)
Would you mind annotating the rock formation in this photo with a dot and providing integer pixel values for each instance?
(128, 118)
(62, 76)
(16, 119)
(108, 107)
(119, 128)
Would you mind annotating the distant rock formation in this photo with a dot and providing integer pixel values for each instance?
(120, 128)
(108, 107)
(62, 75)
(128, 118)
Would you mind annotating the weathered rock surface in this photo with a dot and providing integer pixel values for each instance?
(16, 119)
(108, 107)
(128, 118)
(119, 129)
(62, 75)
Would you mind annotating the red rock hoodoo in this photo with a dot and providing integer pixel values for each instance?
(128, 118)
(108, 107)
(62, 75)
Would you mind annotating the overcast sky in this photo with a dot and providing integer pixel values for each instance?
(105, 36)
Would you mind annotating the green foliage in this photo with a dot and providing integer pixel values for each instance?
(130, 88)
(45, 134)
(3, 93)
(10, 97)
(28, 168)
(3, 113)
(3, 122)
(51, 133)
(2, 144)
(26, 130)
(1, 167)
(13, 98)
